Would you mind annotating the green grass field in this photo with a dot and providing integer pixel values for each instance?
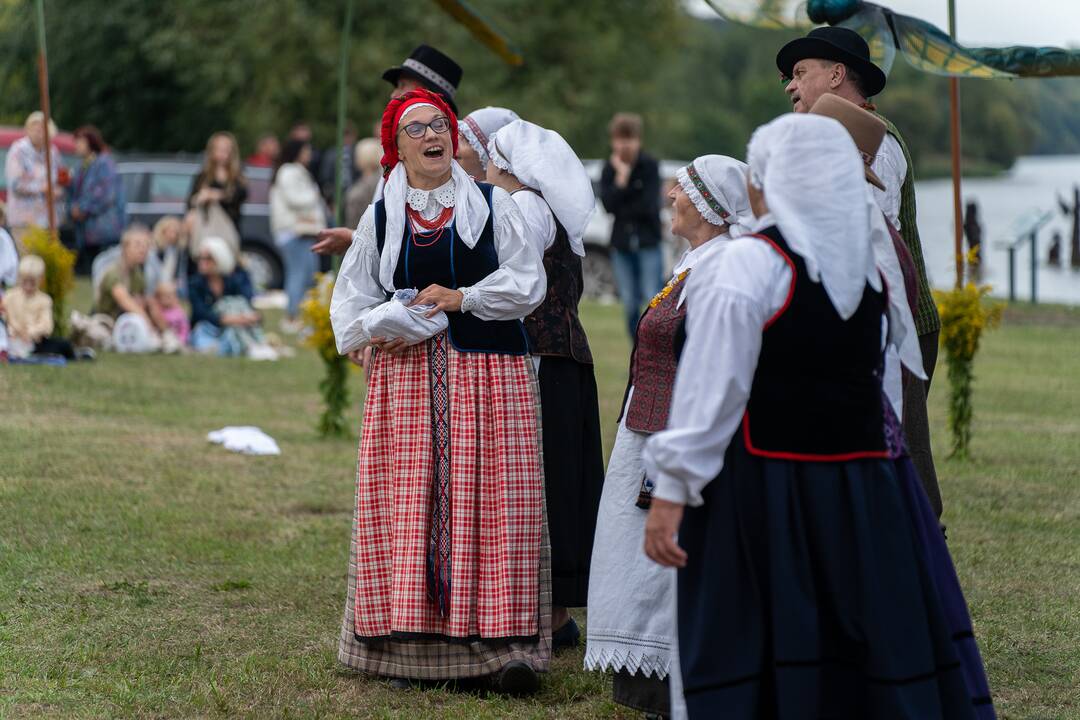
(147, 573)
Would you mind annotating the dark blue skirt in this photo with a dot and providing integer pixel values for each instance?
(810, 593)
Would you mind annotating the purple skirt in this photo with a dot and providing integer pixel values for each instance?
(943, 575)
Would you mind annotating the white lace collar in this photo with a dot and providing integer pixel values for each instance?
(420, 200)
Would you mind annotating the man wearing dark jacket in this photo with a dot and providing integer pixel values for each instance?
(630, 191)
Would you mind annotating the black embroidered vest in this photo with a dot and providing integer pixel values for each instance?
(816, 394)
(554, 328)
(441, 258)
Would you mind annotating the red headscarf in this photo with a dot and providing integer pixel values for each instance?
(392, 117)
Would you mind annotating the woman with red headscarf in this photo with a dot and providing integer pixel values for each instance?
(449, 569)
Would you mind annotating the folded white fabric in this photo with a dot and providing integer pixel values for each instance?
(245, 439)
(396, 319)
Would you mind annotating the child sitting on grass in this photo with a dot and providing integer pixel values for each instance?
(172, 314)
(28, 313)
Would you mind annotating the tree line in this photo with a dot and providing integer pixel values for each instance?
(162, 76)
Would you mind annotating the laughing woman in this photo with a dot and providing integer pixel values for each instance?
(449, 567)
(631, 598)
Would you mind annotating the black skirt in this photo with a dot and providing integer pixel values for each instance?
(573, 473)
(808, 594)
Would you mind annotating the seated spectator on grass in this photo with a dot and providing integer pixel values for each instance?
(122, 284)
(171, 312)
(170, 251)
(28, 314)
(222, 319)
(122, 295)
(110, 258)
(9, 255)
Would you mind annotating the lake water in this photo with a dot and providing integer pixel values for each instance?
(1034, 183)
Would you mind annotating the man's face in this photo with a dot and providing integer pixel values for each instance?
(811, 78)
(405, 83)
(626, 148)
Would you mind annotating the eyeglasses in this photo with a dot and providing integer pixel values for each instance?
(417, 130)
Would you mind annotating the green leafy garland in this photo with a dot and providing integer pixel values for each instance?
(315, 314)
(964, 317)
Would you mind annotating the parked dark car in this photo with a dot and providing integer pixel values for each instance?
(159, 186)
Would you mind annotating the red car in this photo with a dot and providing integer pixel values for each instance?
(64, 142)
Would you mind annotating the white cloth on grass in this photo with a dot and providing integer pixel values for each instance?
(246, 439)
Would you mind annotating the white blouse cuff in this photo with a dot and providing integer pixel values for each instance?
(672, 490)
(470, 299)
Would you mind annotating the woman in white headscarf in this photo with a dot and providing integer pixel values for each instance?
(448, 574)
(803, 590)
(477, 128)
(631, 598)
(550, 186)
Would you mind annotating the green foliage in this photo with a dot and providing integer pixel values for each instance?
(965, 315)
(163, 76)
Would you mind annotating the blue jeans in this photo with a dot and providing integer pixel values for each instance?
(300, 267)
(639, 276)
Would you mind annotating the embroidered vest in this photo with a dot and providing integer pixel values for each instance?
(816, 394)
(926, 317)
(554, 328)
(661, 334)
(441, 258)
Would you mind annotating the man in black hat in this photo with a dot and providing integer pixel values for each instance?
(427, 68)
(837, 60)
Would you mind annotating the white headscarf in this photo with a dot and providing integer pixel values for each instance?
(542, 160)
(716, 185)
(480, 125)
(221, 252)
(815, 187)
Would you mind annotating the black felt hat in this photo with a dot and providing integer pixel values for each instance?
(432, 69)
(838, 44)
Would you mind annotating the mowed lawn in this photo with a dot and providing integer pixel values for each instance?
(147, 573)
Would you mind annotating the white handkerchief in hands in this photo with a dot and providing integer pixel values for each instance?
(396, 319)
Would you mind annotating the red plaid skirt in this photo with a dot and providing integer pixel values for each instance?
(496, 495)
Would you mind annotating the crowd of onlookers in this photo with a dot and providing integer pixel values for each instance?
(182, 285)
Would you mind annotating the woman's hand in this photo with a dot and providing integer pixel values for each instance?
(444, 299)
(394, 347)
(361, 358)
(76, 213)
(660, 530)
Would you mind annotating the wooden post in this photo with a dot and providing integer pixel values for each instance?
(954, 121)
(43, 87)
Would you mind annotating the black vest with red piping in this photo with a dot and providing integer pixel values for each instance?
(816, 394)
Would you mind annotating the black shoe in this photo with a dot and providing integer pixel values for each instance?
(399, 684)
(567, 636)
(517, 678)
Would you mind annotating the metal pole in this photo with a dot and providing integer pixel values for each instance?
(1034, 266)
(1012, 273)
(339, 171)
(954, 119)
(43, 88)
